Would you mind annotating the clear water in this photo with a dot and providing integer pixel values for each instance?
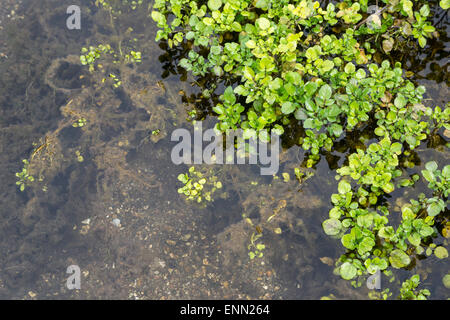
(164, 247)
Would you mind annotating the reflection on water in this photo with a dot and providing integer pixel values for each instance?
(116, 212)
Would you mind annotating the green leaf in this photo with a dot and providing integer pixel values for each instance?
(262, 4)
(429, 176)
(229, 96)
(446, 281)
(434, 209)
(431, 166)
(422, 42)
(441, 252)
(348, 241)
(445, 4)
(251, 44)
(414, 239)
(263, 23)
(365, 245)
(287, 107)
(399, 259)
(348, 271)
(327, 65)
(391, 116)
(344, 187)
(336, 129)
(446, 172)
(249, 74)
(412, 141)
(158, 17)
(400, 101)
(349, 68)
(310, 88)
(214, 5)
(325, 92)
(278, 130)
(396, 148)
(379, 131)
(407, 213)
(308, 124)
(300, 115)
(388, 187)
(332, 226)
(425, 10)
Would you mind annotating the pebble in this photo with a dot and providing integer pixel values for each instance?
(186, 237)
(447, 133)
(116, 222)
(170, 242)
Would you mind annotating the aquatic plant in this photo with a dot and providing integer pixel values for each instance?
(408, 290)
(97, 56)
(288, 69)
(198, 186)
(256, 250)
(295, 62)
(24, 176)
(79, 123)
(364, 228)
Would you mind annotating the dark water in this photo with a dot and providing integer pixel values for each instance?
(164, 247)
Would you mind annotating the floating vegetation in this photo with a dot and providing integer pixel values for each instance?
(199, 186)
(24, 176)
(296, 62)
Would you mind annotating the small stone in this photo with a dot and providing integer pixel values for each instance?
(87, 221)
(447, 133)
(84, 229)
(327, 260)
(116, 222)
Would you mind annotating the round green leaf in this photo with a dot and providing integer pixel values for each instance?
(431, 166)
(399, 259)
(287, 107)
(446, 280)
(434, 209)
(300, 115)
(347, 271)
(441, 252)
(379, 131)
(396, 148)
(332, 226)
(325, 92)
(445, 4)
(400, 101)
(348, 240)
(344, 187)
(349, 68)
(263, 23)
(388, 187)
(214, 5)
